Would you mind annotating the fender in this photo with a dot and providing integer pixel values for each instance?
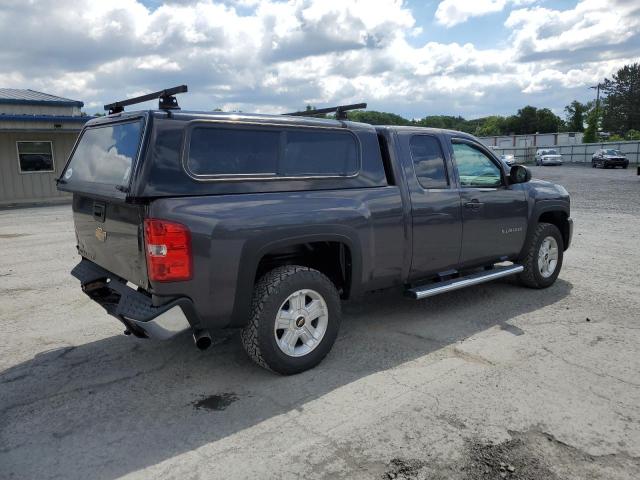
(255, 249)
(538, 208)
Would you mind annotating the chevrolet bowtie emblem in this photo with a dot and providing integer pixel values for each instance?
(101, 234)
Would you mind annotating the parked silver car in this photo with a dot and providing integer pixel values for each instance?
(548, 156)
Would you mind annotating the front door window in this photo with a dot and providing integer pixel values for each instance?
(475, 168)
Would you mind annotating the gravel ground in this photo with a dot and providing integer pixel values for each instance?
(496, 381)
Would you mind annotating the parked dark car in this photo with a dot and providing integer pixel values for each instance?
(609, 158)
(200, 221)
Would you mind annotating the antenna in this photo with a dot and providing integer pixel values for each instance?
(341, 111)
(167, 100)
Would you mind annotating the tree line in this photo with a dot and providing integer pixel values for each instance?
(617, 113)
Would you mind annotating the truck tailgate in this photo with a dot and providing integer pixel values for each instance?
(110, 235)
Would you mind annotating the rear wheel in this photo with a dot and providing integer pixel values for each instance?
(295, 319)
(543, 257)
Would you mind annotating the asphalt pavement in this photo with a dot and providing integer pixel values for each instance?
(495, 381)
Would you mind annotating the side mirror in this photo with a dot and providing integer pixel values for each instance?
(519, 174)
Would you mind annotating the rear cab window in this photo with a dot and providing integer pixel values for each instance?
(428, 162)
(104, 157)
(216, 151)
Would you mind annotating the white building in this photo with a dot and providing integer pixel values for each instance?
(37, 133)
(533, 140)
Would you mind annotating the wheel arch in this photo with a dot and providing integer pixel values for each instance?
(338, 255)
(560, 219)
(553, 212)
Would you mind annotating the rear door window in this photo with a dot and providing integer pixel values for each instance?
(105, 154)
(271, 152)
(428, 162)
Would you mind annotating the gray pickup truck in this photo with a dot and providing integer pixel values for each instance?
(201, 220)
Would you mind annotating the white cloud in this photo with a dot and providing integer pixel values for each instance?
(268, 55)
(597, 25)
(453, 12)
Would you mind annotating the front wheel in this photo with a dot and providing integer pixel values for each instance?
(543, 257)
(294, 321)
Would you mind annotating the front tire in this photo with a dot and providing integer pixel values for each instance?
(295, 319)
(543, 257)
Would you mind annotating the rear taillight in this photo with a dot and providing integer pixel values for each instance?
(168, 250)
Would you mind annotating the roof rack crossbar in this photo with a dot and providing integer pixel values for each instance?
(167, 101)
(341, 111)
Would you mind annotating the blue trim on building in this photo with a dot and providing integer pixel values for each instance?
(53, 103)
(44, 118)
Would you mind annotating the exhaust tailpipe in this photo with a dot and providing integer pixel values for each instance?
(202, 339)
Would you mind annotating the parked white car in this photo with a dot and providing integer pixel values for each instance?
(548, 156)
(509, 160)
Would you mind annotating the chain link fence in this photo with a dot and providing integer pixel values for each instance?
(578, 153)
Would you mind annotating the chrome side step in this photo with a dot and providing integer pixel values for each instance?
(457, 283)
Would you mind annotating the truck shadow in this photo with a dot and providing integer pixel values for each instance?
(117, 405)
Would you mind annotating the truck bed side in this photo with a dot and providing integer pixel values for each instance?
(232, 234)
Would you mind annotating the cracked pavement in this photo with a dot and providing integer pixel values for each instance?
(449, 387)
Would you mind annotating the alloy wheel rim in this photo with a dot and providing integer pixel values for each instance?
(301, 323)
(548, 257)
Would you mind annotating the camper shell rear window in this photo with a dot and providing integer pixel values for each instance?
(255, 151)
(105, 154)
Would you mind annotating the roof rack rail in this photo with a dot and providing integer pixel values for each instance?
(167, 101)
(341, 111)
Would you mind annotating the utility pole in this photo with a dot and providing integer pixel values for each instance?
(597, 89)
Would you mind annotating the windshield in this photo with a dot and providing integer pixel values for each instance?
(549, 152)
(613, 152)
(105, 154)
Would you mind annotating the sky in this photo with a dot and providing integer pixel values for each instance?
(415, 58)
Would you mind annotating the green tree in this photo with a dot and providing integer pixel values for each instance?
(494, 125)
(621, 105)
(632, 135)
(512, 125)
(547, 121)
(377, 118)
(443, 121)
(575, 114)
(528, 120)
(591, 132)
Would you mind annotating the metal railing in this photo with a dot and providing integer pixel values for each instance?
(574, 153)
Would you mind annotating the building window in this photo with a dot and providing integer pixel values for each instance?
(35, 157)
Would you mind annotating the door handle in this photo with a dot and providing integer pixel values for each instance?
(99, 210)
(474, 204)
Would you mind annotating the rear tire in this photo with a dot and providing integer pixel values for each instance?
(306, 304)
(543, 257)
